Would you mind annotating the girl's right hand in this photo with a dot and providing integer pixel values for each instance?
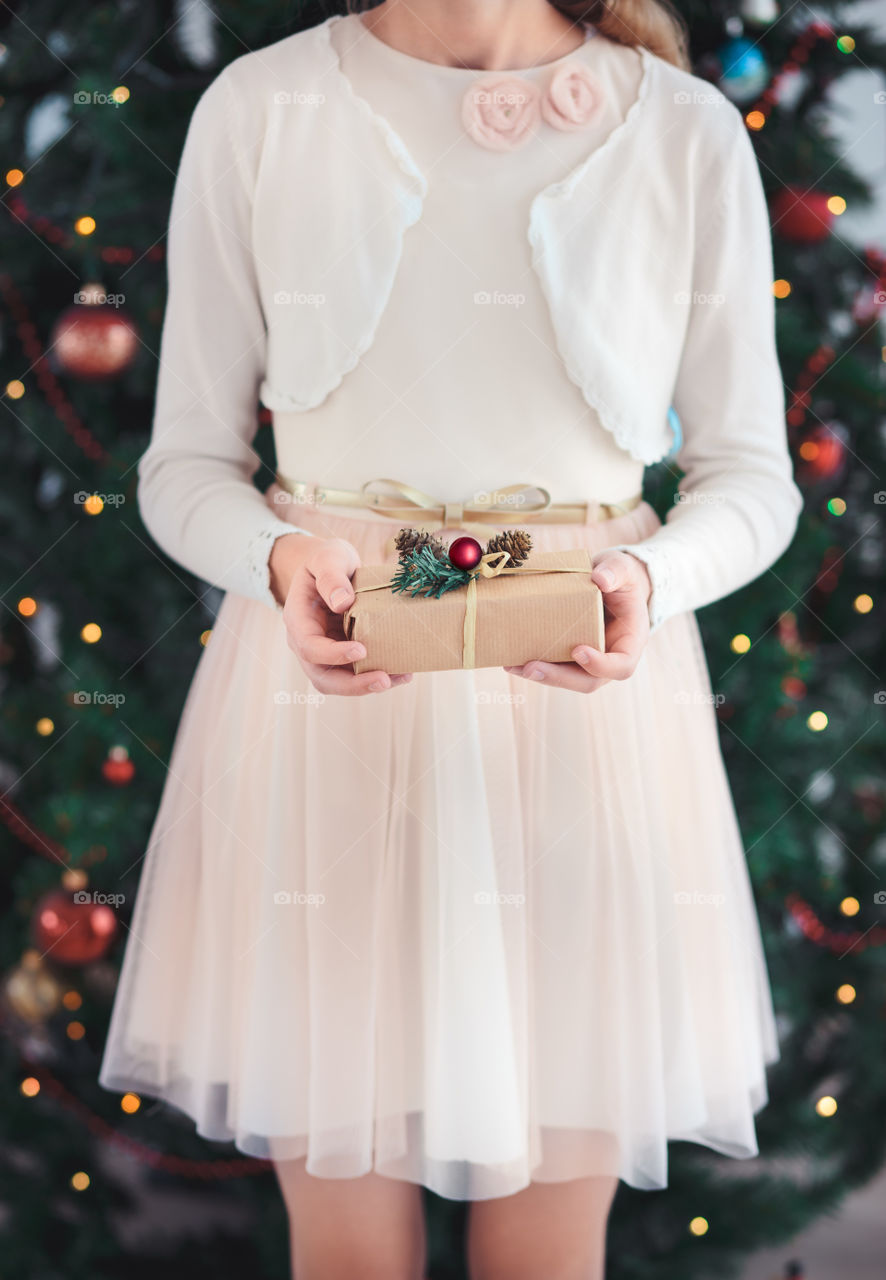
(312, 577)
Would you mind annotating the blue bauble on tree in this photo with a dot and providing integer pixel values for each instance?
(745, 72)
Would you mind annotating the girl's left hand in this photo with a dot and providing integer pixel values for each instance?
(624, 581)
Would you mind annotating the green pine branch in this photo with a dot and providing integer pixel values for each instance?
(421, 573)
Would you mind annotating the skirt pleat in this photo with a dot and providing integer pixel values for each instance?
(471, 933)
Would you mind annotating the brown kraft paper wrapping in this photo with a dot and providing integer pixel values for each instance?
(542, 609)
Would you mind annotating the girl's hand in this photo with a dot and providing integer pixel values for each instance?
(626, 588)
(312, 576)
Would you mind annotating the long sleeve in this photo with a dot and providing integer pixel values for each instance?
(195, 492)
(738, 504)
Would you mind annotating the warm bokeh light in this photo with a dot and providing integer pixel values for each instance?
(72, 999)
(809, 450)
(45, 726)
(837, 205)
(740, 643)
(30, 1086)
(15, 389)
(85, 226)
(76, 1030)
(121, 93)
(755, 120)
(204, 637)
(781, 288)
(862, 604)
(826, 1106)
(846, 993)
(130, 1102)
(93, 505)
(27, 606)
(817, 721)
(80, 1181)
(91, 633)
(14, 177)
(698, 1226)
(850, 906)
(846, 44)
(837, 507)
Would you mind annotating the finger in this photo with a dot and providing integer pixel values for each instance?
(619, 663)
(324, 651)
(613, 571)
(558, 675)
(341, 683)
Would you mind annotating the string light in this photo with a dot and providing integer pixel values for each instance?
(781, 288)
(837, 507)
(85, 226)
(846, 993)
(72, 1000)
(76, 1030)
(94, 505)
(14, 177)
(755, 120)
(30, 1086)
(699, 1226)
(817, 721)
(27, 606)
(80, 1181)
(15, 389)
(826, 1106)
(850, 906)
(45, 726)
(130, 1103)
(862, 604)
(740, 643)
(91, 633)
(846, 44)
(120, 94)
(204, 637)
(837, 205)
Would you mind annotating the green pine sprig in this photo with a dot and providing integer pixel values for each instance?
(421, 573)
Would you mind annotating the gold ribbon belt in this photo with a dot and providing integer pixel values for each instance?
(489, 566)
(510, 505)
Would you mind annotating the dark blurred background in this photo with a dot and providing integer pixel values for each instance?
(100, 633)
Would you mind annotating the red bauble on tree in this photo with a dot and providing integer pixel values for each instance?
(822, 453)
(118, 769)
(465, 553)
(94, 338)
(801, 216)
(70, 928)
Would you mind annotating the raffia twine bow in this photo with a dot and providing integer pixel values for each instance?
(490, 565)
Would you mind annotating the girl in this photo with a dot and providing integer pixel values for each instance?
(466, 930)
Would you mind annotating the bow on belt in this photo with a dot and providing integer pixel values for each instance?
(407, 502)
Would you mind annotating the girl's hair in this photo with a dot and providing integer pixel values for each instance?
(655, 24)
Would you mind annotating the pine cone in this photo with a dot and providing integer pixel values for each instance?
(517, 543)
(409, 540)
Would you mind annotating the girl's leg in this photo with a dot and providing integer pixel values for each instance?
(341, 1228)
(548, 1231)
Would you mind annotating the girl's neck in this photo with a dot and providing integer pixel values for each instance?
(485, 35)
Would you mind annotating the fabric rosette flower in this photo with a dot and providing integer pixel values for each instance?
(573, 98)
(500, 112)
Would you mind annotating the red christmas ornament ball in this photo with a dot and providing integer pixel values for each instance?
(118, 769)
(465, 553)
(72, 932)
(802, 216)
(93, 339)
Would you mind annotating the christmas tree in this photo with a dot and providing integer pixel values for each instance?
(100, 634)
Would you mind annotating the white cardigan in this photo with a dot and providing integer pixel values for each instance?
(678, 309)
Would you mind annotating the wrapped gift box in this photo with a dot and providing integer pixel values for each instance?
(541, 609)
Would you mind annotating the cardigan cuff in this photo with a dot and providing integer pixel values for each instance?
(258, 556)
(658, 564)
